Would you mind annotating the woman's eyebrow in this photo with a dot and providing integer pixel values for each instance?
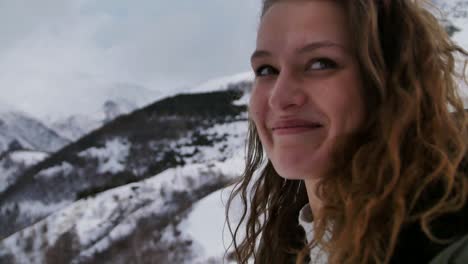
(320, 44)
(259, 54)
(307, 48)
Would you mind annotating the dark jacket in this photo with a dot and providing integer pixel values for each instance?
(414, 246)
(457, 253)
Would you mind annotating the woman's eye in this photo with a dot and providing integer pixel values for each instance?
(265, 71)
(322, 64)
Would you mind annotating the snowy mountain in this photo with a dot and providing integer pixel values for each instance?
(128, 93)
(223, 83)
(105, 104)
(117, 107)
(78, 125)
(14, 163)
(20, 131)
(127, 190)
(75, 126)
(149, 220)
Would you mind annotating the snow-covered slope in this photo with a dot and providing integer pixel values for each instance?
(453, 15)
(206, 223)
(150, 216)
(223, 83)
(456, 15)
(20, 131)
(16, 162)
(126, 190)
(75, 126)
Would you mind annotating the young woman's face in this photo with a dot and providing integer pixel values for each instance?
(307, 89)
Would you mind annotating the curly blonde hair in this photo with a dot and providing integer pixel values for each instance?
(404, 166)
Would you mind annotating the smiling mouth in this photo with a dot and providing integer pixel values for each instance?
(298, 126)
(283, 129)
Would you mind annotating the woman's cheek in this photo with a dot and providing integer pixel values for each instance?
(257, 105)
(258, 110)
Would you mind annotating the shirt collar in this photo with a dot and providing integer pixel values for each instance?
(305, 214)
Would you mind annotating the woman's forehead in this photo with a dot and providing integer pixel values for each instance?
(293, 25)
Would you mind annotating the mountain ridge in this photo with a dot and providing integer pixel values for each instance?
(164, 124)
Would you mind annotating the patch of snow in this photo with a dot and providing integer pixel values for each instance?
(456, 13)
(111, 157)
(221, 83)
(35, 208)
(234, 139)
(64, 168)
(64, 220)
(244, 100)
(14, 163)
(6, 176)
(107, 223)
(206, 224)
(28, 158)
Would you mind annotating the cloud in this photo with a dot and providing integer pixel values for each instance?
(55, 55)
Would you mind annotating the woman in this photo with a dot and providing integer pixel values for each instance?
(356, 106)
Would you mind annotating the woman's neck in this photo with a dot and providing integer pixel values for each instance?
(314, 202)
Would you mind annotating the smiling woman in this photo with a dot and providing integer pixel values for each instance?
(299, 112)
(351, 105)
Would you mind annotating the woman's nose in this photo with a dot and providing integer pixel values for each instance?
(287, 93)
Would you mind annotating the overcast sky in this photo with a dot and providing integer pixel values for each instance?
(58, 56)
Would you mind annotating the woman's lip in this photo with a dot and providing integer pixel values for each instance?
(294, 126)
(294, 129)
